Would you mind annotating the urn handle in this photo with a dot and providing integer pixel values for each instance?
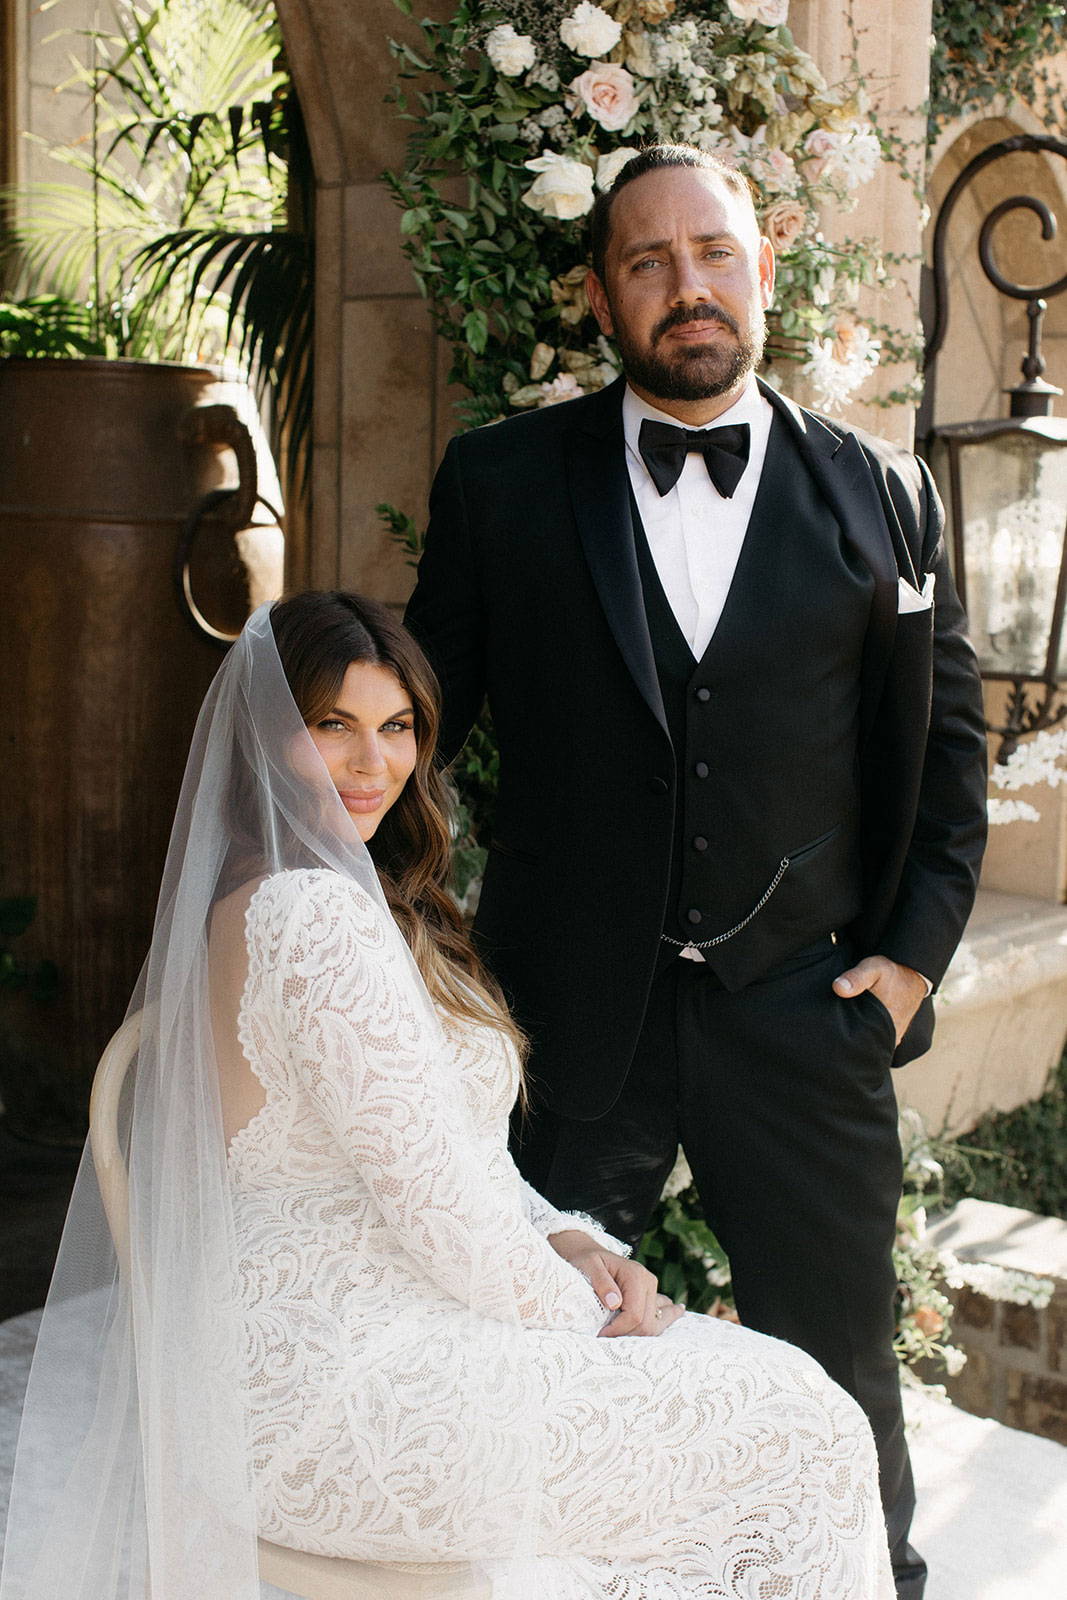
(216, 426)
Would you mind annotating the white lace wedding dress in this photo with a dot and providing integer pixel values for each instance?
(395, 1421)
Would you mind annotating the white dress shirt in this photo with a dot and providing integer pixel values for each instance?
(694, 533)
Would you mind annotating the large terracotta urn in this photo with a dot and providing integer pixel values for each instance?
(119, 584)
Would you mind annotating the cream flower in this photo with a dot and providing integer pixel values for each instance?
(783, 224)
(589, 31)
(541, 358)
(608, 167)
(568, 292)
(510, 52)
(565, 387)
(640, 56)
(563, 189)
(772, 13)
(608, 93)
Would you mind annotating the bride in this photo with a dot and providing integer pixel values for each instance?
(347, 1324)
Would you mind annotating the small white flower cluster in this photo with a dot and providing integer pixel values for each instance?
(717, 1272)
(685, 108)
(1037, 761)
(851, 155)
(1000, 811)
(835, 372)
(997, 1283)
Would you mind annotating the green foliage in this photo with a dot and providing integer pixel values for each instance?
(174, 245)
(685, 1255)
(1019, 1158)
(47, 325)
(501, 270)
(984, 50)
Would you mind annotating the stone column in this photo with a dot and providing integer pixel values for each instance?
(892, 47)
(380, 410)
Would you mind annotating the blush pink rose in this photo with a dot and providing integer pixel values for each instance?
(820, 148)
(783, 223)
(608, 93)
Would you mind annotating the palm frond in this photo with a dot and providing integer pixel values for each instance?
(265, 281)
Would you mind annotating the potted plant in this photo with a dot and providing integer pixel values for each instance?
(116, 510)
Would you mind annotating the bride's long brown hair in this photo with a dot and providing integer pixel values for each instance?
(319, 635)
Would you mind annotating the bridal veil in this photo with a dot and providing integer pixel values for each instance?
(133, 1478)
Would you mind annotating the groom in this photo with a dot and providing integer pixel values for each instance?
(742, 779)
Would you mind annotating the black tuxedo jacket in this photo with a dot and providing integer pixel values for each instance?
(529, 594)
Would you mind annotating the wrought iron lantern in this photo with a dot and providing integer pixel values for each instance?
(1004, 483)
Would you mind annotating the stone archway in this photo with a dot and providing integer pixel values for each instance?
(381, 409)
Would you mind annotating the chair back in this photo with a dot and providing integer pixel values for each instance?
(109, 1158)
(306, 1576)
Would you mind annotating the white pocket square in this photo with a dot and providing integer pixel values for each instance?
(909, 598)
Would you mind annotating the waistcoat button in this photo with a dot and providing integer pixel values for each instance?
(693, 915)
(701, 769)
(703, 695)
(700, 843)
(658, 786)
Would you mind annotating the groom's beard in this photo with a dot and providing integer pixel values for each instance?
(696, 374)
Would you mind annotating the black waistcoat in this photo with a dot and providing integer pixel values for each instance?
(765, 728)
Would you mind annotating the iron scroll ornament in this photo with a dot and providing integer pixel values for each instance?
(1038, 297)
(1031, 400)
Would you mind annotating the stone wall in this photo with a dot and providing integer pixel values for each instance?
(1016, 1367)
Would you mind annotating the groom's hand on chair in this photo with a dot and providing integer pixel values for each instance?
(901, 989)
(625, 1287)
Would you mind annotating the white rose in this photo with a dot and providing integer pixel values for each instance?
(608, 167)
(564, 188)
(589, 31)
(510, 52)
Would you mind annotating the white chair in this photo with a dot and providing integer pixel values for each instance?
(308, 1576)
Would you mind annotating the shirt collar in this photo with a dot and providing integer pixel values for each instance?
(750, 407)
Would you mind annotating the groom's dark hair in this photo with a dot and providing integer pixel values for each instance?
(654, 158)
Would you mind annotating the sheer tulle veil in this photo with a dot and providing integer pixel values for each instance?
(133, 1479)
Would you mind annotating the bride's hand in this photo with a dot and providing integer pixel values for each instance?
(624, 1287)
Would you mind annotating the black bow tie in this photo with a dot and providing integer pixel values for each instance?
(664, 449)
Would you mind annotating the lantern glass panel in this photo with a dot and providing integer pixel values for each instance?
(1014, 492)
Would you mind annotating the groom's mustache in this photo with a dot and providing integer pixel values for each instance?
(683, 314)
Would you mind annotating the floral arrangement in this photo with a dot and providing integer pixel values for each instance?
(1037, 761)
(692, 1266)
(523, 109)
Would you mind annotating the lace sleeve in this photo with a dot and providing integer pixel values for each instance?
(547, 1220)
(367, 1049)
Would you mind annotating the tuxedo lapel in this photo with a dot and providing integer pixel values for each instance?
(845, 477)
(600, 496)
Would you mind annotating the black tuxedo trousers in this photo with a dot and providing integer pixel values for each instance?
(530, 595)
(781, 1096)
